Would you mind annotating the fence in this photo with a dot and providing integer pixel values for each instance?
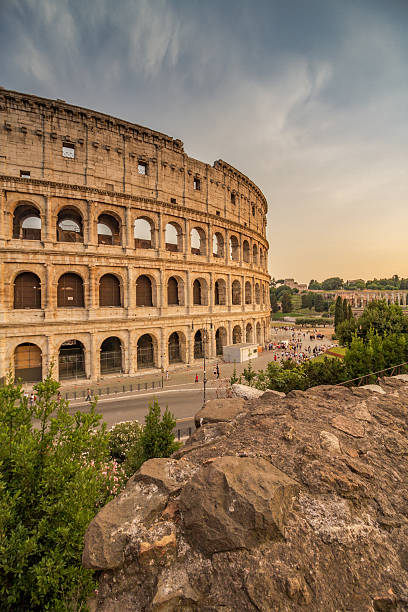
(101, 390)
(372, 377)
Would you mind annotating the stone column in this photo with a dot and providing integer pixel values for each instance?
(92, 222)
(127, 234)
(92, 302)
(186, 239)
(211, 343)
(243, 293)
(164, 362)
(160, 292)
(49, 298)
(3, 232)
(130, 292)
(132, 353)
(190, 344)
(188, 304)
(227, 248)
(229, 332)
(211, 293)
(159, 235)
(209, 241)
(94, 360)
(49, 232)
(228, 297)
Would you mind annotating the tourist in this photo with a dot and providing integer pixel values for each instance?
(196, 378)
(88, 396)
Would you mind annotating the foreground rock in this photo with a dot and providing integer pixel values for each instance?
(293, 503)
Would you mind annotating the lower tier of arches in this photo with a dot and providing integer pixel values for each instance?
(78, 354)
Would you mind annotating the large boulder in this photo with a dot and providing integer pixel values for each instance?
(246, 392)
(219, 410)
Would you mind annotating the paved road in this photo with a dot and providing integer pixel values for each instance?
(183, 403)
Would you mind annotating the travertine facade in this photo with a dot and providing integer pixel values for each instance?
(118, 252)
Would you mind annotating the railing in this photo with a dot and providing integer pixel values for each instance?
(372, 377)
(113, 389)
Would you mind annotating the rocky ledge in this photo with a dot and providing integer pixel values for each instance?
(281, 503)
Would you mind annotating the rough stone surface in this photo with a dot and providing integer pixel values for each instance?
(246, 392)
(219, 410)
(233, 536)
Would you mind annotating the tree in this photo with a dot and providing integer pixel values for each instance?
(307, 300)
(286, 302)
(332, 284)
(157, 438)
(345, 309)
(314, 285)
(338, 312)
(281, 290)
(319, 303)
(345, 331)
(383, 318)
(274, 301)
(54, 476)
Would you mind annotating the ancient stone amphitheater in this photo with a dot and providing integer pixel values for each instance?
(118, 252)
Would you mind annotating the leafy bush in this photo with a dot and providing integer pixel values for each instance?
(122, 437)
(54, 476)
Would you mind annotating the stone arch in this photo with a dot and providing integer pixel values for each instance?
(198, 241)
(249, 333)
(248, 293)
(70, 227)
(109, 291)
(234, 248)
(200, 292)
(70, 291)
(199, 344)
(245, 251)
(237, 334)
(108, 227)
(220, 292)
(146, 352)
(257, 294)
(143, 232)
(111, 356)
(27, 222)
(27, 291)
(258, 333)
(173, 237)
(28, 362)
(176, 347)
(220, 340)
(218, 245)
(144, 291)
(173, 292)
(236, 293)
(71, 360)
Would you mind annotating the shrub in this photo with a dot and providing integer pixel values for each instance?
(122, 437)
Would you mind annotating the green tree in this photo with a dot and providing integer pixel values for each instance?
(54, 476)
(338, 312)
(345, 309)
(333, 283)
(281, 290)
(157, 438)
(274, 301)
(383, 318)
(286, 302)
(319, 303)
(350, 315)
(345, 331)
(314, 285)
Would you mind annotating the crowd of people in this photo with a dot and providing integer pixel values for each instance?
(298, 345)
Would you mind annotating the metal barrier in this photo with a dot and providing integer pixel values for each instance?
(183, 433)
(114, 389)
(372, 377)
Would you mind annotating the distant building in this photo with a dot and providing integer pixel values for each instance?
(292, 284)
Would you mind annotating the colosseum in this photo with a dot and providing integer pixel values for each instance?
(119, 253)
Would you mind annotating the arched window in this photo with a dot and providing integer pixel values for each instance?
(27, 291)
(257, 294)
(220, 292)
(172, 292)
(248, 293)
(144, 294)
(28, 362)
(255, 255)
(237, 335)
(218, 245)
(197, 238)
(109, 291)
(220, 340)
(71, 360)
(174, 348)
(69, 225)
(234, 248)
(173, 237)
(198, 345)
(111, 356)
(143, 233)
(236, 293)
(108, 230)
(197, 296)
(249, 337)
(145, 352)
(245, 251)
(70, 291)
(27, 222)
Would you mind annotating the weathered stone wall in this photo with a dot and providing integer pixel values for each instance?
(103, 178)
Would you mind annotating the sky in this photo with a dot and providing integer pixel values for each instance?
(309, 98)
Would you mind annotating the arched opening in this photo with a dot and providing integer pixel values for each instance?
(71, 360)
(197, 238)
(237, 335)
(257, 294)
(143, 233)
(69, 225)
(234, 248)
(172, 292)
(218, 245)
(198, 345)
(220, 292)
(255, 255)
(108, 230)
(145, 352)
(70, 291)
(27, 291)
(248, 293)
(258, 333)
(173, 237)
(220, 340)
(236, 293)
(109, 291)
(174, 348)
(245, 251)
(197, 293)
(144, 292)
(261, 258)
(248, 333)
(263, 294)
(27, 222)
(111, 356)
(28, 362)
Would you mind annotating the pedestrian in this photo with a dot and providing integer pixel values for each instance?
(59, 396)
(215, 371)
(32, 399)
(218, 370)
(196, 378)
(167, 375)
(88, 396)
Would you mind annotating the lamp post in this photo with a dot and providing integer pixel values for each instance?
(204, 343)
